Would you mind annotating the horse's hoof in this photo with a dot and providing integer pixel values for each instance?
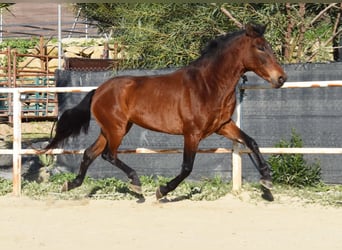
(266, 184)
(159, 195)
(267, 194)
(65, 187)
(135, 188)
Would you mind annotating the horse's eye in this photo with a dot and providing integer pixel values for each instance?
(262, 48)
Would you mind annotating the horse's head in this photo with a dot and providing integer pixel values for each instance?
(260, 58)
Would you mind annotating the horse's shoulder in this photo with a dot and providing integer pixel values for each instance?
(193, 74)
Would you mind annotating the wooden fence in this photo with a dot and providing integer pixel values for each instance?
(236, 151)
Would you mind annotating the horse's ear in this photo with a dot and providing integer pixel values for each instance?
(255, 30)
(263, 29)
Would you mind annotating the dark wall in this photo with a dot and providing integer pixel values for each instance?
(315, 113)
(267, 115)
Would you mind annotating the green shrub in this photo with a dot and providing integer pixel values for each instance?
(293, 169)
(5, 186)
(21, 45)
(59, 179)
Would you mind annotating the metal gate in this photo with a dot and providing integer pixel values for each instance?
(39, 105)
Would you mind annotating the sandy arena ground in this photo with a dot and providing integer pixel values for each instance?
(231, 223)
(228, 223)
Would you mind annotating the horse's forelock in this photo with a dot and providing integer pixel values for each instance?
(260, 29)
(255, 30)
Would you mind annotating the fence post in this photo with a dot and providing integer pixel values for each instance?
(236, 167)
(236, 156)
(16, 142)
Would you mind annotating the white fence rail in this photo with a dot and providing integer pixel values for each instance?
(236, 151)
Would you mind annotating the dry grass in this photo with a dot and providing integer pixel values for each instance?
(30, 130)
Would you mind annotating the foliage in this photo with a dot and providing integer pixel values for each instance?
(115, 189)
(323, 194)
(158, 35)
(326, 194)
(292, 169)
(5, 186)
(21, 45)
(171, 35)
(5, 6)
(208, 189)
(299, 32)
(46, 160)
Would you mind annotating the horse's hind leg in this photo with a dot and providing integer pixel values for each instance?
(89, 156)
(110, 155)
(131, 173)
(231, 131)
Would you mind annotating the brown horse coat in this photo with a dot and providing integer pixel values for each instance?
(195, 101)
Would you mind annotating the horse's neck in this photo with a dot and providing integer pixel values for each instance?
(224, 75)
(221, 74)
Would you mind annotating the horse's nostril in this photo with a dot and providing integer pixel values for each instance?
(281, 79)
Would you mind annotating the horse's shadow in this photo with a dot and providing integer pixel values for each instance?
(140, 197)
(266, 195)
(175, 199)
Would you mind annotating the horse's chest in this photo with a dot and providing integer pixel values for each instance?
(223, 114)
(218, 119)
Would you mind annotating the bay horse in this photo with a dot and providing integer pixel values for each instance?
(194, 101)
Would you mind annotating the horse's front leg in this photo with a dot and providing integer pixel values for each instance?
(190, 148)
(231, 131)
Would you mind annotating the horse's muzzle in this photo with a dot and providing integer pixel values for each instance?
(282, 80)
(277, 83)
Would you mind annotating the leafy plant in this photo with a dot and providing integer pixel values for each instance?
(61, 178)
(5, 186)
(21, 45)
(46, 160)
(292, 169)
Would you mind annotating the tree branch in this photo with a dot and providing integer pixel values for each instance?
(322, 12)
(337, 21)
(325, 44)
(230, 16)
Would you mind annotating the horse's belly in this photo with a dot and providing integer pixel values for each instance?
(160, 124)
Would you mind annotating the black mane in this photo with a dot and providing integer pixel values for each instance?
(215, 46)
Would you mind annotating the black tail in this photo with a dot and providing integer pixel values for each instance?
(73, 121)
